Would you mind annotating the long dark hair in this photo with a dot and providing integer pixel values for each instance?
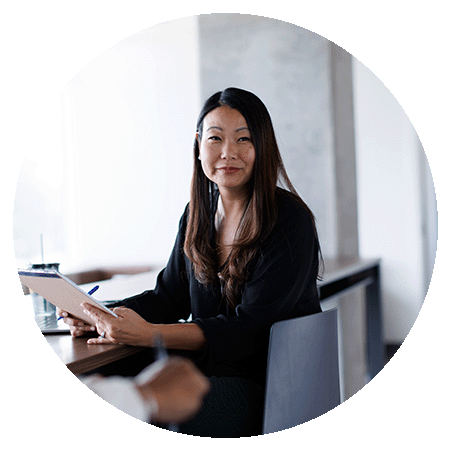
(260, 214)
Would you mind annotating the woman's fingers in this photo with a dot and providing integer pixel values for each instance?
(96, 314)
(85, 327)
(77, 331)
(102, 322)
(100, 340)
(79, 324)
(77, 327)
(125, 327)
(64, 315)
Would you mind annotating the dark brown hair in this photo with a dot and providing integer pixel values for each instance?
(261, 212)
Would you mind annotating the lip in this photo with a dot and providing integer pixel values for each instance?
(229, 169)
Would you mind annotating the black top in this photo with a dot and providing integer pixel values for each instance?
(281, 285)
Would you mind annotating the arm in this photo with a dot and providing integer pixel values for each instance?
(173, 393)
(121, 392)
(282, 285)
(130, 328)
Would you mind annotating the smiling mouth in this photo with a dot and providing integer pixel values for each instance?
(229, 169)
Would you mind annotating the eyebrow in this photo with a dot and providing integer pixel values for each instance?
(221, 129)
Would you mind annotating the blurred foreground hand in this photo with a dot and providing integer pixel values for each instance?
(177, 387)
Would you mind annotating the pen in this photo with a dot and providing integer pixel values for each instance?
(162, 355)
(93, 290)
(89, 293)
(160, 350)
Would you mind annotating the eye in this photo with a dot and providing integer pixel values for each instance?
(244, 138)
(214, 138)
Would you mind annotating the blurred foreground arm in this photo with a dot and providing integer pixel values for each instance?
(173, 393)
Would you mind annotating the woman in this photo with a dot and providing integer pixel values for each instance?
(246, 256)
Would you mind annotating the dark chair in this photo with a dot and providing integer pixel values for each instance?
(302, 371)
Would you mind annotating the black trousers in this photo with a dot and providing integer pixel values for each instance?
(232, 408)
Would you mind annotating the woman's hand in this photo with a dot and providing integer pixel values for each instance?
(77, 326)
(127, 328)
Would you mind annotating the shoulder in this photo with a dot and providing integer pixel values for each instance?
(182, 224)
(294, 233)
(292, 212)
(185, 212)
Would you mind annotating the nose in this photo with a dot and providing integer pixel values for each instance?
(229, 151)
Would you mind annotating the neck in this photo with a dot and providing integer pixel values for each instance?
(233, 204)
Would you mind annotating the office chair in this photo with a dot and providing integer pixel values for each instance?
(302, 371)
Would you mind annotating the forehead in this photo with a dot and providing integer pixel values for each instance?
(224, 117)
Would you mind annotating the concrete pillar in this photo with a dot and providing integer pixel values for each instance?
(352, 305)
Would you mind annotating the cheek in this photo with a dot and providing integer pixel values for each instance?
(205, 166)
(205, 157)
(250, 157)
(209, 155)
(207, 162)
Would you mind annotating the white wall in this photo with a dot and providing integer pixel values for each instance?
(389, 200)
(39, 197)
(129, 127)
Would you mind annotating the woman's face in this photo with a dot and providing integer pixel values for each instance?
(227, 153)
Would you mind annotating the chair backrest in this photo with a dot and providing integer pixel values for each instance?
(302, 371)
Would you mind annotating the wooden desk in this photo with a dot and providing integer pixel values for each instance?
(80, 357)
(341, 275)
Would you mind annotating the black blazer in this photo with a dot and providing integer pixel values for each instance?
(281, 285)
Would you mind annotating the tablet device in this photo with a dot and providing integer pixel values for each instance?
(60, 291)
